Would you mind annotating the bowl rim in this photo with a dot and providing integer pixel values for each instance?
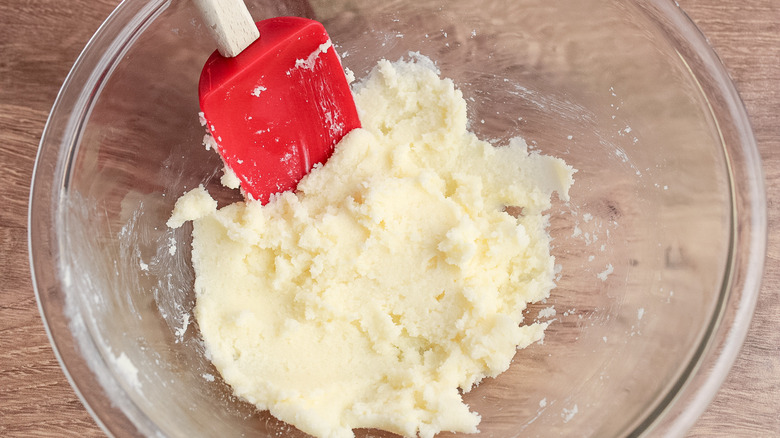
(115, 412)
(76, 352)
(741, 285)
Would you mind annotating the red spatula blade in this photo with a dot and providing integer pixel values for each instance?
(279, 107)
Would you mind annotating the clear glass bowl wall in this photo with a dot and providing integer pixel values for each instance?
(660, 248)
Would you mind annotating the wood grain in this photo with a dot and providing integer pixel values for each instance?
(40, 40)
(746, 35)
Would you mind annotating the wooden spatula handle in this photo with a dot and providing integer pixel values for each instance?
(229, 23)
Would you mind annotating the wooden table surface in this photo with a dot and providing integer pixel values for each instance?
(40, 40)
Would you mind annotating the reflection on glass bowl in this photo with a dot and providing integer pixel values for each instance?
(660, 249)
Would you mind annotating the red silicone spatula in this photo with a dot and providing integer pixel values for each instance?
(275, 104)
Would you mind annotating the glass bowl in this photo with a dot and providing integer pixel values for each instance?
(660, 250)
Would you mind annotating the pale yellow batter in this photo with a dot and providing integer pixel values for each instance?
(391, 279)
